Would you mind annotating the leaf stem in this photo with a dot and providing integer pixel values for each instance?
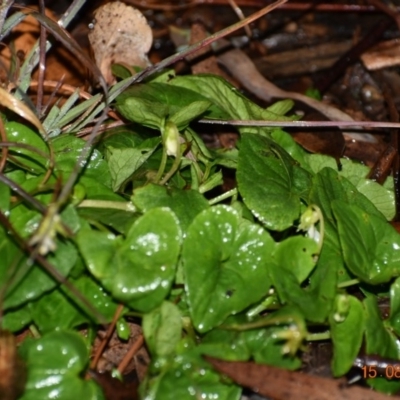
(163, 163)
(312, 337)
(116, 205)
(348, 283)
(263, 322)
(174, 168)
(223, 196)
(34, 331)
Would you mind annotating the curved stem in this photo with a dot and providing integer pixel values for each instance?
(163, 163)
(223, 196)
(174, 168)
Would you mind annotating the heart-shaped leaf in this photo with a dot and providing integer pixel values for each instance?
(226, 265)
(269, 182)
(140, 269)
(56, 363)
(371, 246)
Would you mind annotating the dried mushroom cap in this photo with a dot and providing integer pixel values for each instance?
(120, 34)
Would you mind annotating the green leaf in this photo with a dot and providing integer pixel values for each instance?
(5, 194)
(140, 269)
(327, 186)
(379, 340)
(266, 181)
(371, 246)
(287, 142)
(33, 281)
(162, 329)
(119, 220)
(318, 162)
(296, 254)
(382, 198)
(234, 256)
(347, 331)
(281, 107)
(145, 112)
(186, 114)
(67, 150)
(16, 319)
(279, 343)
(394, 319)
(152, 196)
(123, 162)
(56, 365)
(170, 96)
(28, 159)
(225, 344)
(189, 377)
(316, 300)
(120, 71)
(62, 310)
(227, 98)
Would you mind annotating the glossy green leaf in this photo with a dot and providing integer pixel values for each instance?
(162, 329)
(57, 362)
(371, 247)
(394, 318)
(347, 331)
(298, 255)
(189, 377)
(226, 263)
(140, 269)
(380, 341)
(123, 329)
(152, 196)
(32, 161)
(267, 182)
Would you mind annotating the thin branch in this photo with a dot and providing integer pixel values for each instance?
(305, 124)
(42, 61)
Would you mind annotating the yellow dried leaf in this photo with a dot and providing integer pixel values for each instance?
(12, 103)
(120, 34)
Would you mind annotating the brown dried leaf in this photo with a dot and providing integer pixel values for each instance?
(280, 384)
(120, 34)
(12, 370)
